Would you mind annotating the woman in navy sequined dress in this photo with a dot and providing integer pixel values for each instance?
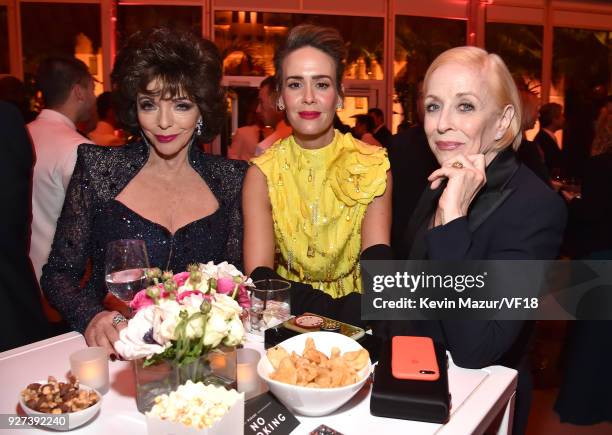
(161, 188)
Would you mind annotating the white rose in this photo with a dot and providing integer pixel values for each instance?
(193, 300)
(216, 330)
(170, 316)
(228, 270)
(225, 306)
(209, 270)
(235, 333)
(194, 327)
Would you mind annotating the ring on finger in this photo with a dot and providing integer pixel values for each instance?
(457, 165)
(117, 319)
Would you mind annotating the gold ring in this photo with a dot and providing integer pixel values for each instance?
(457, 165)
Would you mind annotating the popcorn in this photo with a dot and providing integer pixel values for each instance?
(195, 404)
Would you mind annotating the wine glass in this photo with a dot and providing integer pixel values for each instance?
(125, 267)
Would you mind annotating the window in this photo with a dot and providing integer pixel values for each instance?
(66, 29)
(581, 73)
(248, 41)
(418, 41)
(5, 66)
(132, 18)
(520, 46)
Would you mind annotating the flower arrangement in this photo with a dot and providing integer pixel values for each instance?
(184, 316)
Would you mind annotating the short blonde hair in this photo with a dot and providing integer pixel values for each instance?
(499, 79)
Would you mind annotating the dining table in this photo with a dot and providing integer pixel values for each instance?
(481, 399)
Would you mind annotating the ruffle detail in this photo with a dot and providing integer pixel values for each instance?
(359, 173)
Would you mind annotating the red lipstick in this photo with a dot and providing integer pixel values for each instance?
(165, 139)
(309, 115)
(448, 145)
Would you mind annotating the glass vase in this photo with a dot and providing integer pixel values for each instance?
(217, 367)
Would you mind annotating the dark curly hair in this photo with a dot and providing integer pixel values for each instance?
(326, 39)
(184, 64)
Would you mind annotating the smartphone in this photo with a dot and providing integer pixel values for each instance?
(414, 358)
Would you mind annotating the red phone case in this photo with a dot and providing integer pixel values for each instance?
(414, 358)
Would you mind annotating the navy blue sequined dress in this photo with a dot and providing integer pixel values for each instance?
(91, 218)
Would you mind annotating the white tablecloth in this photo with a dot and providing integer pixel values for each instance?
(478, 396)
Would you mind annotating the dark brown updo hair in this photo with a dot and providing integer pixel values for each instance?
(326, 39)
(185, 65)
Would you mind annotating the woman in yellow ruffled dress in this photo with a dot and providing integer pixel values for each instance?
(315, 200)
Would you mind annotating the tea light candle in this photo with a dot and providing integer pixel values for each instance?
(246, 372)
(90, 366)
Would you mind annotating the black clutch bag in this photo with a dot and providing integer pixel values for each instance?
(420, 400)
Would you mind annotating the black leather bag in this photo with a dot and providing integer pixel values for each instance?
(427, 401)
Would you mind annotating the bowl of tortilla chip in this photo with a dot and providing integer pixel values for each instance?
(315, 373)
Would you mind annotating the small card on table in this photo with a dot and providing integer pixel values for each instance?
(265, 414)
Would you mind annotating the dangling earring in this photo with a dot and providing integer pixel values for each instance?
(339, 105)
(280, 106)
(199, 127)
(498, 136)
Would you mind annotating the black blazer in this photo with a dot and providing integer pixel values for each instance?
(21, 317)
(514, 217)
(553, 156)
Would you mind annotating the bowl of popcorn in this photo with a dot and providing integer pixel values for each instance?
(60, 405)
(315, 373)
(195, 408)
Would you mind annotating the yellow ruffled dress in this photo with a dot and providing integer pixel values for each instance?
(319, 198)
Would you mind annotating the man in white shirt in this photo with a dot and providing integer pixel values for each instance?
(270, 115)
(245, 141)
(67, 89)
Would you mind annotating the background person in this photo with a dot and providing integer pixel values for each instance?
(21, 316)
(106, 129)
(551, 120)
(67, 90)
(364, 126)
(380, 131)
(270, 115)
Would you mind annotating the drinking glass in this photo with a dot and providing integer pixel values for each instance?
(126, 263)
(269, 304)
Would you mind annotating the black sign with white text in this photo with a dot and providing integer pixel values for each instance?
(265, 415)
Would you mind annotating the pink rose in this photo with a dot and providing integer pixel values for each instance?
(243, 298)
(141, 300)
(225, 286)
(181, 278)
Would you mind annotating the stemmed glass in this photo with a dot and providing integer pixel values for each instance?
(125, 267)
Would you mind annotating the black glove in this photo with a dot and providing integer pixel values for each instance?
(304, 298)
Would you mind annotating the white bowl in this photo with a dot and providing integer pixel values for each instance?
(314, 401)
(75, 419)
